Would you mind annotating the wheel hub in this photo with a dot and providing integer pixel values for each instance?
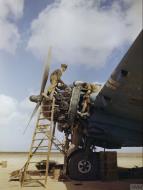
(84, 166)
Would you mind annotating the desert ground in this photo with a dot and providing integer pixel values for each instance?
(16, 161)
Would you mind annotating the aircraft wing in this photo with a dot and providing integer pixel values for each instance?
(122, 95)
(118, 108)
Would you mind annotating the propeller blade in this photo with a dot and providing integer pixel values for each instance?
(32, 115)
(46, 71)
(44, 81)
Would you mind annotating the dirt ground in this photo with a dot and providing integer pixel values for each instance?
(16, 161)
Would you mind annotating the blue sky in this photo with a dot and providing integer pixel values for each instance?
(90, 36)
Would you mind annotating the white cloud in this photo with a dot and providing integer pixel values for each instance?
(9, 35)
(14, 116)
(83, 32)
(13, 112)
(8, 105)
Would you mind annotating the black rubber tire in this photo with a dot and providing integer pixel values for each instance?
(76, 159)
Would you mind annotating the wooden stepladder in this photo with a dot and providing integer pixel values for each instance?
(40, 148)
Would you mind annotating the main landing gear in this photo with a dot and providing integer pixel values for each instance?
(82, 166)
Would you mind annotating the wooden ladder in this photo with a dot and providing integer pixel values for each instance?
(41, 145)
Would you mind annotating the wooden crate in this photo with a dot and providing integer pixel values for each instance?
(108, 166)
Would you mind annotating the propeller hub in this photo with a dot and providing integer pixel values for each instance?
(35, 98)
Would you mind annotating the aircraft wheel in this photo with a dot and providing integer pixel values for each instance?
(82, 168)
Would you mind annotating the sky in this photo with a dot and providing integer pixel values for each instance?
(90, 36)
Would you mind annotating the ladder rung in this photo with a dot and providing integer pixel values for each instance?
(34, 179)
(42, 131)
(45, 111)
(41, 128)
(43, 125)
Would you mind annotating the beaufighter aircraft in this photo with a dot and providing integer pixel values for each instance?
(115, 116)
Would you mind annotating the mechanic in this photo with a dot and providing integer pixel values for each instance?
(55, 79)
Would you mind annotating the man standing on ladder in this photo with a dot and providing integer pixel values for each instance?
(55, 80)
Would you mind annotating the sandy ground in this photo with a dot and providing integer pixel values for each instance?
(16, 161)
